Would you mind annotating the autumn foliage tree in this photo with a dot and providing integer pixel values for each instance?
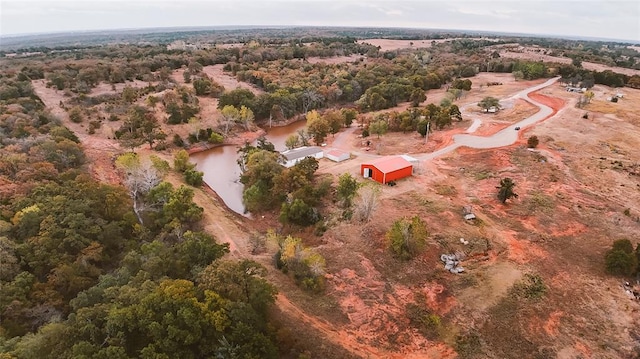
(407, 237)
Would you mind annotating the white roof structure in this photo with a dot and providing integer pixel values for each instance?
(409, 158)
(301, 152)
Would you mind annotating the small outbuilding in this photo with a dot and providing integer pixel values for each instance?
(336, 155)
(292, 157)
(387, 169)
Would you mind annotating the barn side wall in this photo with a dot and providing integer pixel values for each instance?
(401, 173)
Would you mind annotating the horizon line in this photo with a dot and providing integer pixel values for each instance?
(265, 26)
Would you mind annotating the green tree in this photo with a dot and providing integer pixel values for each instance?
(298, 212)
(307, 266)
(407, 237)
(180, 207)
(215, 138)
(454, 111)
(261, 169)
(621, 259)
(347, 189)
(245, 117)
(489, 102)
(140, 125)
(462, 84)
(181, 161)
(240, 281)
(292, 141)
(422, 128)
(532, 142)
(237, 98)
(379, 127)
(505, 190)
(170, 321)
(197, 251)
(350, 116)
(417, 97)
(193, 177)
(335, 120)
(317, 126)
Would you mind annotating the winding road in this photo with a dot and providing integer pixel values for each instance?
(504, 137)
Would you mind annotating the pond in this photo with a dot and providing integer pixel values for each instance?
(221, 171)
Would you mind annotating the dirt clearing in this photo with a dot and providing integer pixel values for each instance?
(229, 82)
(390, 44)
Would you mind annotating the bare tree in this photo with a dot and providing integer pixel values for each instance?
(366, 203)
(229, 114)
(310, 99)
(139, 178)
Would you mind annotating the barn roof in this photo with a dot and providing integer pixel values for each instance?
(301, 152)
(390, 164)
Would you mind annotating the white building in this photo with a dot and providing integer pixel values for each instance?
(336, 155)
(296, 155)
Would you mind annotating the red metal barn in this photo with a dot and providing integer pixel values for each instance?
(387, 169)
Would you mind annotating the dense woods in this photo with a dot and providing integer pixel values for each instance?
(82, 275)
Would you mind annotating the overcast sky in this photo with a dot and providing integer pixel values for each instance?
(618, 19)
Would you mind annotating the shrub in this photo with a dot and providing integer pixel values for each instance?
(177, 140)
(298, 212)
(468, 345)
(621, 259)
(533, 142)
(93, 126)
(407, 237)
(181, 161)
(531, 287)
(75, 115)
(429, 324)
(216, 138)
(193, 177)
(306, 265)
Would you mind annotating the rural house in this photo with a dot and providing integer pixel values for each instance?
(336, 155)
(387, 169)
(296, 155)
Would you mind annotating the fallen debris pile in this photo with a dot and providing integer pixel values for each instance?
(452, 262)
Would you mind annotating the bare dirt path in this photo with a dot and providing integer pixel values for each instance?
(229, 82)
(99, 149)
